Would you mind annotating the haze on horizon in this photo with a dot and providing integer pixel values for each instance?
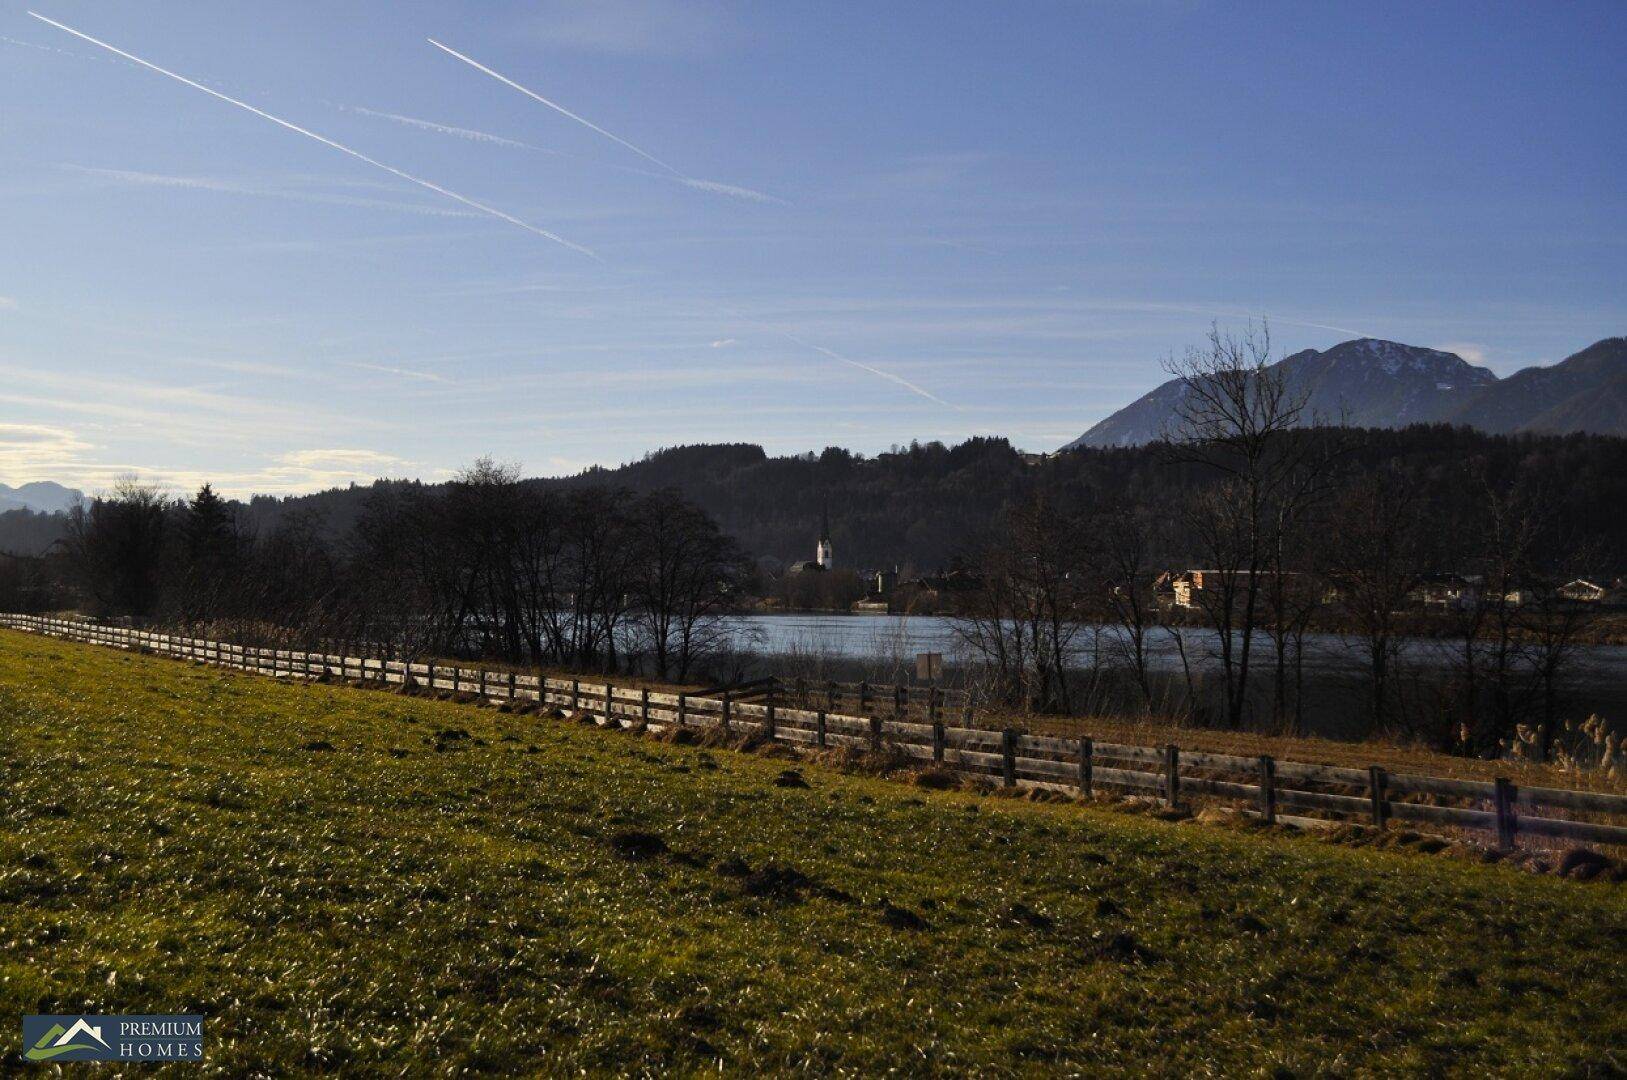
(812, 224)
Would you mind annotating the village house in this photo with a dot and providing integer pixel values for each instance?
(1184, 588)
(1582, 591)
(1440, 590)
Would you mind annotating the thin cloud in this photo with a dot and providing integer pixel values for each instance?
(324, 140)
(637, 27)
(1225, 314)
(1474, 354)
(342, 458)
(284, 474)
(50, 49)
(233, 187)
(404, 373)
(723, 343)
(8, 303)
(34, 451)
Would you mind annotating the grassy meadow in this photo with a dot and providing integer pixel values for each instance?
(343, 880)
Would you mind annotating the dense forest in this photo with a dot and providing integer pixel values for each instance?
(927, 504)
(924, 505)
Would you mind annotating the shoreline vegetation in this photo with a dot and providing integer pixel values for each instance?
(1607, 629)
(1306, 528)
(396, 876)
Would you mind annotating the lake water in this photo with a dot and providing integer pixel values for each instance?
(885, 637)
(883, 647)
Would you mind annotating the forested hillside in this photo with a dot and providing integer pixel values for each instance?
(925, 504)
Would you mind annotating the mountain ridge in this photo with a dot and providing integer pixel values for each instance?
(41, 496)
(1371, 382)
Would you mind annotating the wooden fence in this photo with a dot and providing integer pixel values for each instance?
(898, 700)
(1267, 787)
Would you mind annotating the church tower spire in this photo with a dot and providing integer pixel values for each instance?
(824, 556)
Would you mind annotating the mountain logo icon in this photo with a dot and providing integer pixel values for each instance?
(59, 1040)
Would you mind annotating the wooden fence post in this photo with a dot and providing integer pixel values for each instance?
(1087, 753)
(429, 676)
(875, 734)
(937, 742)
(1375, 794)
(1008, 756)
(644, 707)
(900, 700)
(819, 729)
(1268, 789)
(726, 711)
(512, 690)
(576, 695)
(683, 710)
(1504, 792)
(1172, 775)
(609, 704)
(768, 720)
(864, 696)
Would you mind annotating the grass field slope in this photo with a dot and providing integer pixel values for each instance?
(381, 884)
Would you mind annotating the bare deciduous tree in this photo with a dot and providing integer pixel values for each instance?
(1373, 555)
(686, 573)
(1236, 418)
(1035, 574)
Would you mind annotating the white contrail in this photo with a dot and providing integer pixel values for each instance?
(476, 135)
(703, 185)
(834, 355)
(470, 202)
(712, 186)
(733, 190)
(889, 376)
(478, 66)
(444, 129)
(511, 219)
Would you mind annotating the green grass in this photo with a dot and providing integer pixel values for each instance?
(169, 845)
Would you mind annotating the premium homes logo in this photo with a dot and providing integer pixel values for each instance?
(175, 1037)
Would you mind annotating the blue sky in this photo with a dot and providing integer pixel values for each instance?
(957, 219)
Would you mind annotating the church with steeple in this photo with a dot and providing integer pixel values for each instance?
(824, 553)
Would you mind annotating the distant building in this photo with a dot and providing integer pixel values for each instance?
(1184, 588)
(1583, 591)
(1446, 591)
(824, 552)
